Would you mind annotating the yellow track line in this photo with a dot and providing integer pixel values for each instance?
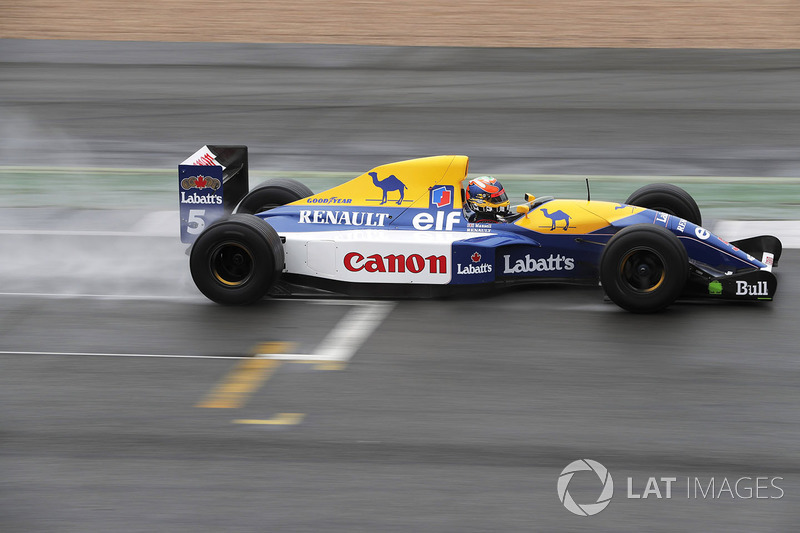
(245, 378)
(282, 419)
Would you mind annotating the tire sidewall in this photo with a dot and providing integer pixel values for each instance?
(263, 273)
(665, 245)
(668, 199)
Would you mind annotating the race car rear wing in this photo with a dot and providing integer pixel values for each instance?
(211, 182)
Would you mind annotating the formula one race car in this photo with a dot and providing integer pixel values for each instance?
(401, 230)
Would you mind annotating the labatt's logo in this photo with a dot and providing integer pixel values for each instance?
(195, 198)
(745, 289)
(484, 268)
(414, 263)
(531, 264)
(347, 218)
(200, 182)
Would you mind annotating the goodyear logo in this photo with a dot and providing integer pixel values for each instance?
(331, 200)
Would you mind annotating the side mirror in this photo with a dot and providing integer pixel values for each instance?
(523, 209)
(529, 197)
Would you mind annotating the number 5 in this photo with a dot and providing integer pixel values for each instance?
(196, 224)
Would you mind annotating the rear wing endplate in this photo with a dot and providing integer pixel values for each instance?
(202, 178)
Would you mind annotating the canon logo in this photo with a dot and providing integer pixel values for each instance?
(414, 263)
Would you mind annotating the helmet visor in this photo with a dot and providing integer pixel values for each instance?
(496, 199)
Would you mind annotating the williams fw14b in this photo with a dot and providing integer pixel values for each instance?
(407, 229)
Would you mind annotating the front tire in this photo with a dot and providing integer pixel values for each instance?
(669, 199)
(644, 268)
(236, 260)
(271, 194)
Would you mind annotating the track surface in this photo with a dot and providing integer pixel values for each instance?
(454, 415)
(435, 425)
(302, 107)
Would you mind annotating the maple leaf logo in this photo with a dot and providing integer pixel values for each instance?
(476, 257)
(200, 182)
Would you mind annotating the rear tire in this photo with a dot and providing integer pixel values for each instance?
(669, 199)
(236, 260)
(644, 268)
(271, 194)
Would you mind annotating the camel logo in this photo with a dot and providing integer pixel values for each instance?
(200, 182)
(387, 185)
(556, 217)
(586, 509)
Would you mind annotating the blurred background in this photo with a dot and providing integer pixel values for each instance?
(450, 414)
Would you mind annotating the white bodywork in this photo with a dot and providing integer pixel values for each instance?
(374, 256)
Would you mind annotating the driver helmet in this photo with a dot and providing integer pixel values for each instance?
(486, 195)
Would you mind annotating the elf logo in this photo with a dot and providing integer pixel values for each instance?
(425, 221)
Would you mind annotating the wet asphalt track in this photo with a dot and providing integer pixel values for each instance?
(455, 415)
(430, 427)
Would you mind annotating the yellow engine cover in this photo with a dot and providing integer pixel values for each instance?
(574, 216)
(402, 185)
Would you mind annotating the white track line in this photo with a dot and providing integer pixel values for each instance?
(80, 233)
(339, 346)
(89, 296)
(85, 296)
(107, 354)
(347, 337)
